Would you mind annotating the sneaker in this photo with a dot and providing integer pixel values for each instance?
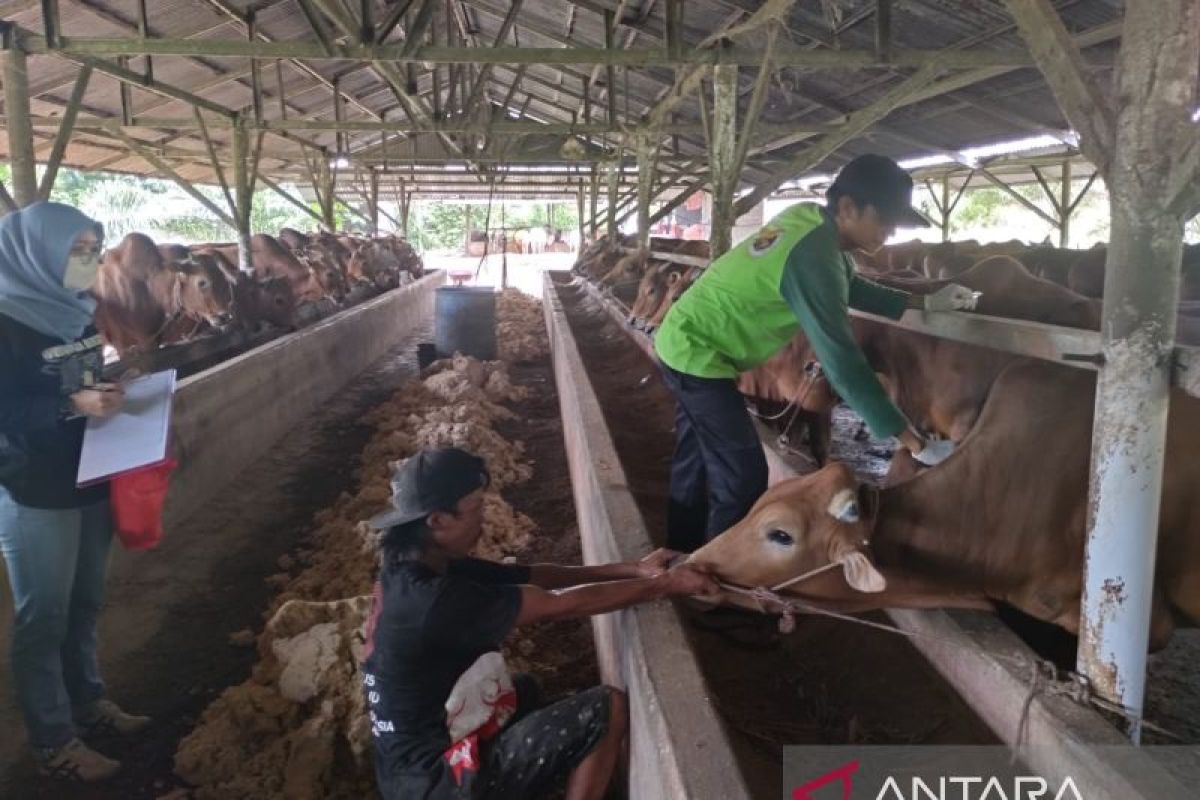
(105, 717)
(75, 761)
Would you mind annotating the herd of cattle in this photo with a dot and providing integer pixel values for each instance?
(1003, 519)
(151, 295)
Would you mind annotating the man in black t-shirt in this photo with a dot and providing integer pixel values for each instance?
(441, 704)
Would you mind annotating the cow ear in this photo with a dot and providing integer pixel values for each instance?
(861, 573)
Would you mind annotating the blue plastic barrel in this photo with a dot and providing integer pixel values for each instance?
(465, 321)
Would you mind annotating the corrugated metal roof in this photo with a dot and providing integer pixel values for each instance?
(1008, 105)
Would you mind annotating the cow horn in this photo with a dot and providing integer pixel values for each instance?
(844, 506)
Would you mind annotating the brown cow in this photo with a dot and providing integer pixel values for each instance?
(628, 269)
(790, 391)
(293, 239)
(326, 270)
(272, 260)
(652, 289)
(988, 524)
(143, 301)
(1087, 274)
(677, 284)
(920, 371)
(375, 262)
(257, 302)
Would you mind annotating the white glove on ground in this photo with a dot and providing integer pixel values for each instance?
(952, 297)
(936, 451)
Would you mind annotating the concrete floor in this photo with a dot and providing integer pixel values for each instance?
(524, 271)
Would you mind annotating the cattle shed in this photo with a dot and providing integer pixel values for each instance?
(631, 107)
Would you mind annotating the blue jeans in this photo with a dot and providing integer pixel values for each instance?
(57, 561)
(718, 470)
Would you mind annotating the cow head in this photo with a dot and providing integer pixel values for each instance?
(359, 266)
(325, 271)
(798, 526)
(274, 302)
(651, 291)
(203, 291)
(677, 283)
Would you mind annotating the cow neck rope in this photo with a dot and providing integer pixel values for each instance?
(794, 407)
(1044, 676)
(177, 302)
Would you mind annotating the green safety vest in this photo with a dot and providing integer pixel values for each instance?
(750, 302)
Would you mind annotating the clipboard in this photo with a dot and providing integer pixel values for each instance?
(134, 438)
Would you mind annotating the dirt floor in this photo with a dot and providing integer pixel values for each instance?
(166, 628)
(822, 684)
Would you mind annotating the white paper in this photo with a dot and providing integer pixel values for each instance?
(134, 437)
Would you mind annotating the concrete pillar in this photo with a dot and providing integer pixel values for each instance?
(722, 157)
(1147, 191)
(243, 198)
(20, 130)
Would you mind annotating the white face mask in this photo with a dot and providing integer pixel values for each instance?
(81, 271)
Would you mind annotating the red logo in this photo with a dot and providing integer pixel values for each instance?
(843, 773)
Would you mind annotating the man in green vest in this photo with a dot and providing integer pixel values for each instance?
(795, 274)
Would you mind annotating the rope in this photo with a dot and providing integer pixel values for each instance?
(1044, 676)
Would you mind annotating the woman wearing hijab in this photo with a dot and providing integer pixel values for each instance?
(55, 537)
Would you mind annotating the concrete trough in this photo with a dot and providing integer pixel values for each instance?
(227, 416)
(678, 747)
(975, 653)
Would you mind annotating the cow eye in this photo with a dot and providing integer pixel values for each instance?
(203, 284)
(781, 537)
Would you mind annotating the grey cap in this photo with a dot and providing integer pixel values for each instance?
(432, 480)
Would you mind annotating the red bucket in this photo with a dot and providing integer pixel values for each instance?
(137, 504)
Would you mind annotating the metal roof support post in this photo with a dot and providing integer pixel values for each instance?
(373, 200)
(614, 173)
(1064, 207)
(945, 208)
(722, 148)
(328, 181)
(593, 216)
(579, 209)
(405, 209)
(20, 129)
(243, 197)
(1137, 145)
(646, 146)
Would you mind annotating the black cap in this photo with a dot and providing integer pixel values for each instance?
(878, 181)
(430, 481)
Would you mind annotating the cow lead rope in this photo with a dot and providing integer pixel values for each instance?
(1044, 674)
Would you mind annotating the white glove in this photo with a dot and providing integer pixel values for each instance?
(935, 452)
(952, 297)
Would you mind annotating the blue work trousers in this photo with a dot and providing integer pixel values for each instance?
(57, 562)
(718, 470)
